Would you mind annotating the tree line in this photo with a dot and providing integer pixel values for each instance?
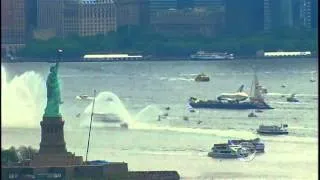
(136, 40)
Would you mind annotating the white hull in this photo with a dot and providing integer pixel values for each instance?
(209, 58)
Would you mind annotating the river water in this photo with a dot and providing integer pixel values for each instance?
(140, 91)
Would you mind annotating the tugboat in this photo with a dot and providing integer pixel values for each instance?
(202, 78)
(273, 130)
(292, 98)
(255, 102)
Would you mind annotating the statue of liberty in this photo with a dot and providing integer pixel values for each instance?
(53, 91)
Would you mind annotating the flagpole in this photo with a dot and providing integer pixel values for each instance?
(94, 97)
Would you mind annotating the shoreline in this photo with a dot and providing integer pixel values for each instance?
(164, 59)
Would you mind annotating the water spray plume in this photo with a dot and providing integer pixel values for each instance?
(23, 99)
(108, 103)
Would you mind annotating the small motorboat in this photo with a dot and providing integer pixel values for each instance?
(312, 79)
(283, 85)
(124, 125)
(273, 130)
(292, 98)
(252, 115)
(84, 97)
(202, 78)
(167, 108)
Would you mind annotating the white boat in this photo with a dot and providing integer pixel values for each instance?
(84, 97)
(109, 120)
(273, 130)
(202, 55)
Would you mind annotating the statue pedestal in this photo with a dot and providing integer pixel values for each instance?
(52, 136)
(53, 151)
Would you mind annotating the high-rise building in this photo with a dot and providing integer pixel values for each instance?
(244, 17)
(160, 5)
(90, 17)
(278, 14)
(156, 6)
(209, 4)
(204, 4)
(266, 15)
(31, 17)
(314, 14)
(289, 13)
(13, 25)
(183, 4)
(50, 16)
(97, 17)
(305, 13)
(188, 22)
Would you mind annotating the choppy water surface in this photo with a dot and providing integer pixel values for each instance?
(140, 91)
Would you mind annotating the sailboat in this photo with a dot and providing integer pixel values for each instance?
(256, 101)
(312, 77)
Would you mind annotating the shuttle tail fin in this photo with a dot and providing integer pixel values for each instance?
(241, 88)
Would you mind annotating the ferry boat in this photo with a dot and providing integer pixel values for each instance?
(255, 144)
(202, 55)
(255, 102)
(273, 130)
(227, 151)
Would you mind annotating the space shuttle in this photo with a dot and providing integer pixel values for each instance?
(237, 96)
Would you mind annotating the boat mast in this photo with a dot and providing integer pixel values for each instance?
(94, 98)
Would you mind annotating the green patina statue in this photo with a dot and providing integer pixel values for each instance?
(53, 93)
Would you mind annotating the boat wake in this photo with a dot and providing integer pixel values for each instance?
(229, 133)
(283, 94)
(175, 79)
(293, 103)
